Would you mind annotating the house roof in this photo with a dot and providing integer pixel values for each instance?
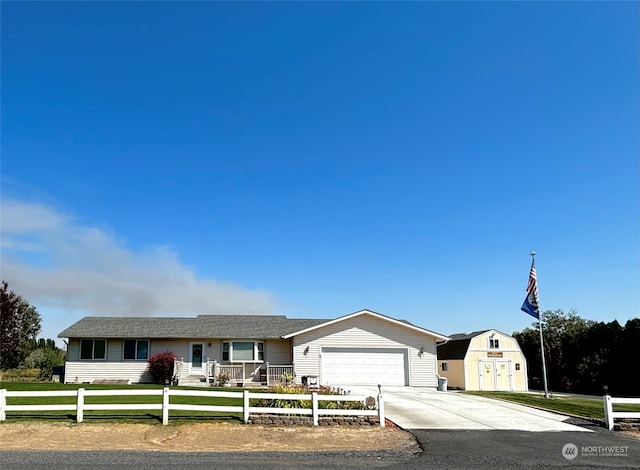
(456, 347)
(402, 323)
(202, 326)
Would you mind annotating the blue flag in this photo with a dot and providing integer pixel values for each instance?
(530, 304)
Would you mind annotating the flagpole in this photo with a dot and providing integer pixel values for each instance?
(544, 366)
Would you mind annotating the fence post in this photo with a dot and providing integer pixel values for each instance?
(80, 406)
(165, 406)
(267, 366)
(314, 406)
(3, 404)
(608, 412)
(381, 409)
(245, 405)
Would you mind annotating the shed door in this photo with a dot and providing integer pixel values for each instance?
(364, 366)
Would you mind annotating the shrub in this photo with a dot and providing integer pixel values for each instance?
(302, 389)
(223, 378)
(161, 367)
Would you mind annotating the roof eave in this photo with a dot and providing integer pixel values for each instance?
(367, 312)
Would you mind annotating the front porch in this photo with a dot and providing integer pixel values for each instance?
(235, 375)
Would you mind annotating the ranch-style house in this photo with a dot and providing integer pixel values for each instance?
(361, 348)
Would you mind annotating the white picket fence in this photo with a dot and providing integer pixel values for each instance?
(166, 406)
(610, 415)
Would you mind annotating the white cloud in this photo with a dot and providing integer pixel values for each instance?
(56, 262)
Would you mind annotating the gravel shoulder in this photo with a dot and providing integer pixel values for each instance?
(202, 437)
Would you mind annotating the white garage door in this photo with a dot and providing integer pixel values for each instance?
(364, 366)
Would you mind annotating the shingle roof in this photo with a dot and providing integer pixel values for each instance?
(203, 326)
(456, 347)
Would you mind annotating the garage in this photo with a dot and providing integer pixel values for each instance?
(364, 366)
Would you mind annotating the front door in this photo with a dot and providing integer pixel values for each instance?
(196, 353)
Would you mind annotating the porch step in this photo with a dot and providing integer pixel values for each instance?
(194, 381)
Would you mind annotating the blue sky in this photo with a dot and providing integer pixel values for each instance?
(314, 159)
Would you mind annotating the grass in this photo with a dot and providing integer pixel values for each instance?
(176, 416)
(590, 408)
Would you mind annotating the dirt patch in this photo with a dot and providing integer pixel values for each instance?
(203, 437)
(633, 434)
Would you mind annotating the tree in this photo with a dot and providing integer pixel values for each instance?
(582, 355)
(564, 335)
(45, 360)
(19, 326)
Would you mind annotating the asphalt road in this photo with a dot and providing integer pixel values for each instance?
(442, 449)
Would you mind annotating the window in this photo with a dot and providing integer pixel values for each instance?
(494, 343)
(444, 366)
(243, 351)
(136, 349)
(92, 349)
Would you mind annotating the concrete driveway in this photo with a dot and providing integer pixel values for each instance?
(416, 408)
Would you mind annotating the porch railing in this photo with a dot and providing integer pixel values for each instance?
(277, 374)
(180, 370)
(269, 374)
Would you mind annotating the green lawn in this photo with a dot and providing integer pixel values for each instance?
(176, 416)
(590, 408)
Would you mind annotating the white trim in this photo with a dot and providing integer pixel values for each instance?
(201, 369)
(135, 352)
(256, 351)
(93, 349)
(405, 351)
(373, 314)
(493, 350)
(481, 385)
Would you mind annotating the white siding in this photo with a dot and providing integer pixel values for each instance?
(87, 371)
(368, 331)
(277, 352)
(115, 367)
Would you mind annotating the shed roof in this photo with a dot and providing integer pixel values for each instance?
(457, 346)
(202, 326)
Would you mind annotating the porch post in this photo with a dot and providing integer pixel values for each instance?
(267, 364)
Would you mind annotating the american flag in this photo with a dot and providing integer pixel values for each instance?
(530, 304)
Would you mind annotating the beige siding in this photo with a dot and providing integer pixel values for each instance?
(454, 374)
(278, 352)
(179, 347)
(368, 331)
(73, 350)
(114, 350)
(511, 354)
